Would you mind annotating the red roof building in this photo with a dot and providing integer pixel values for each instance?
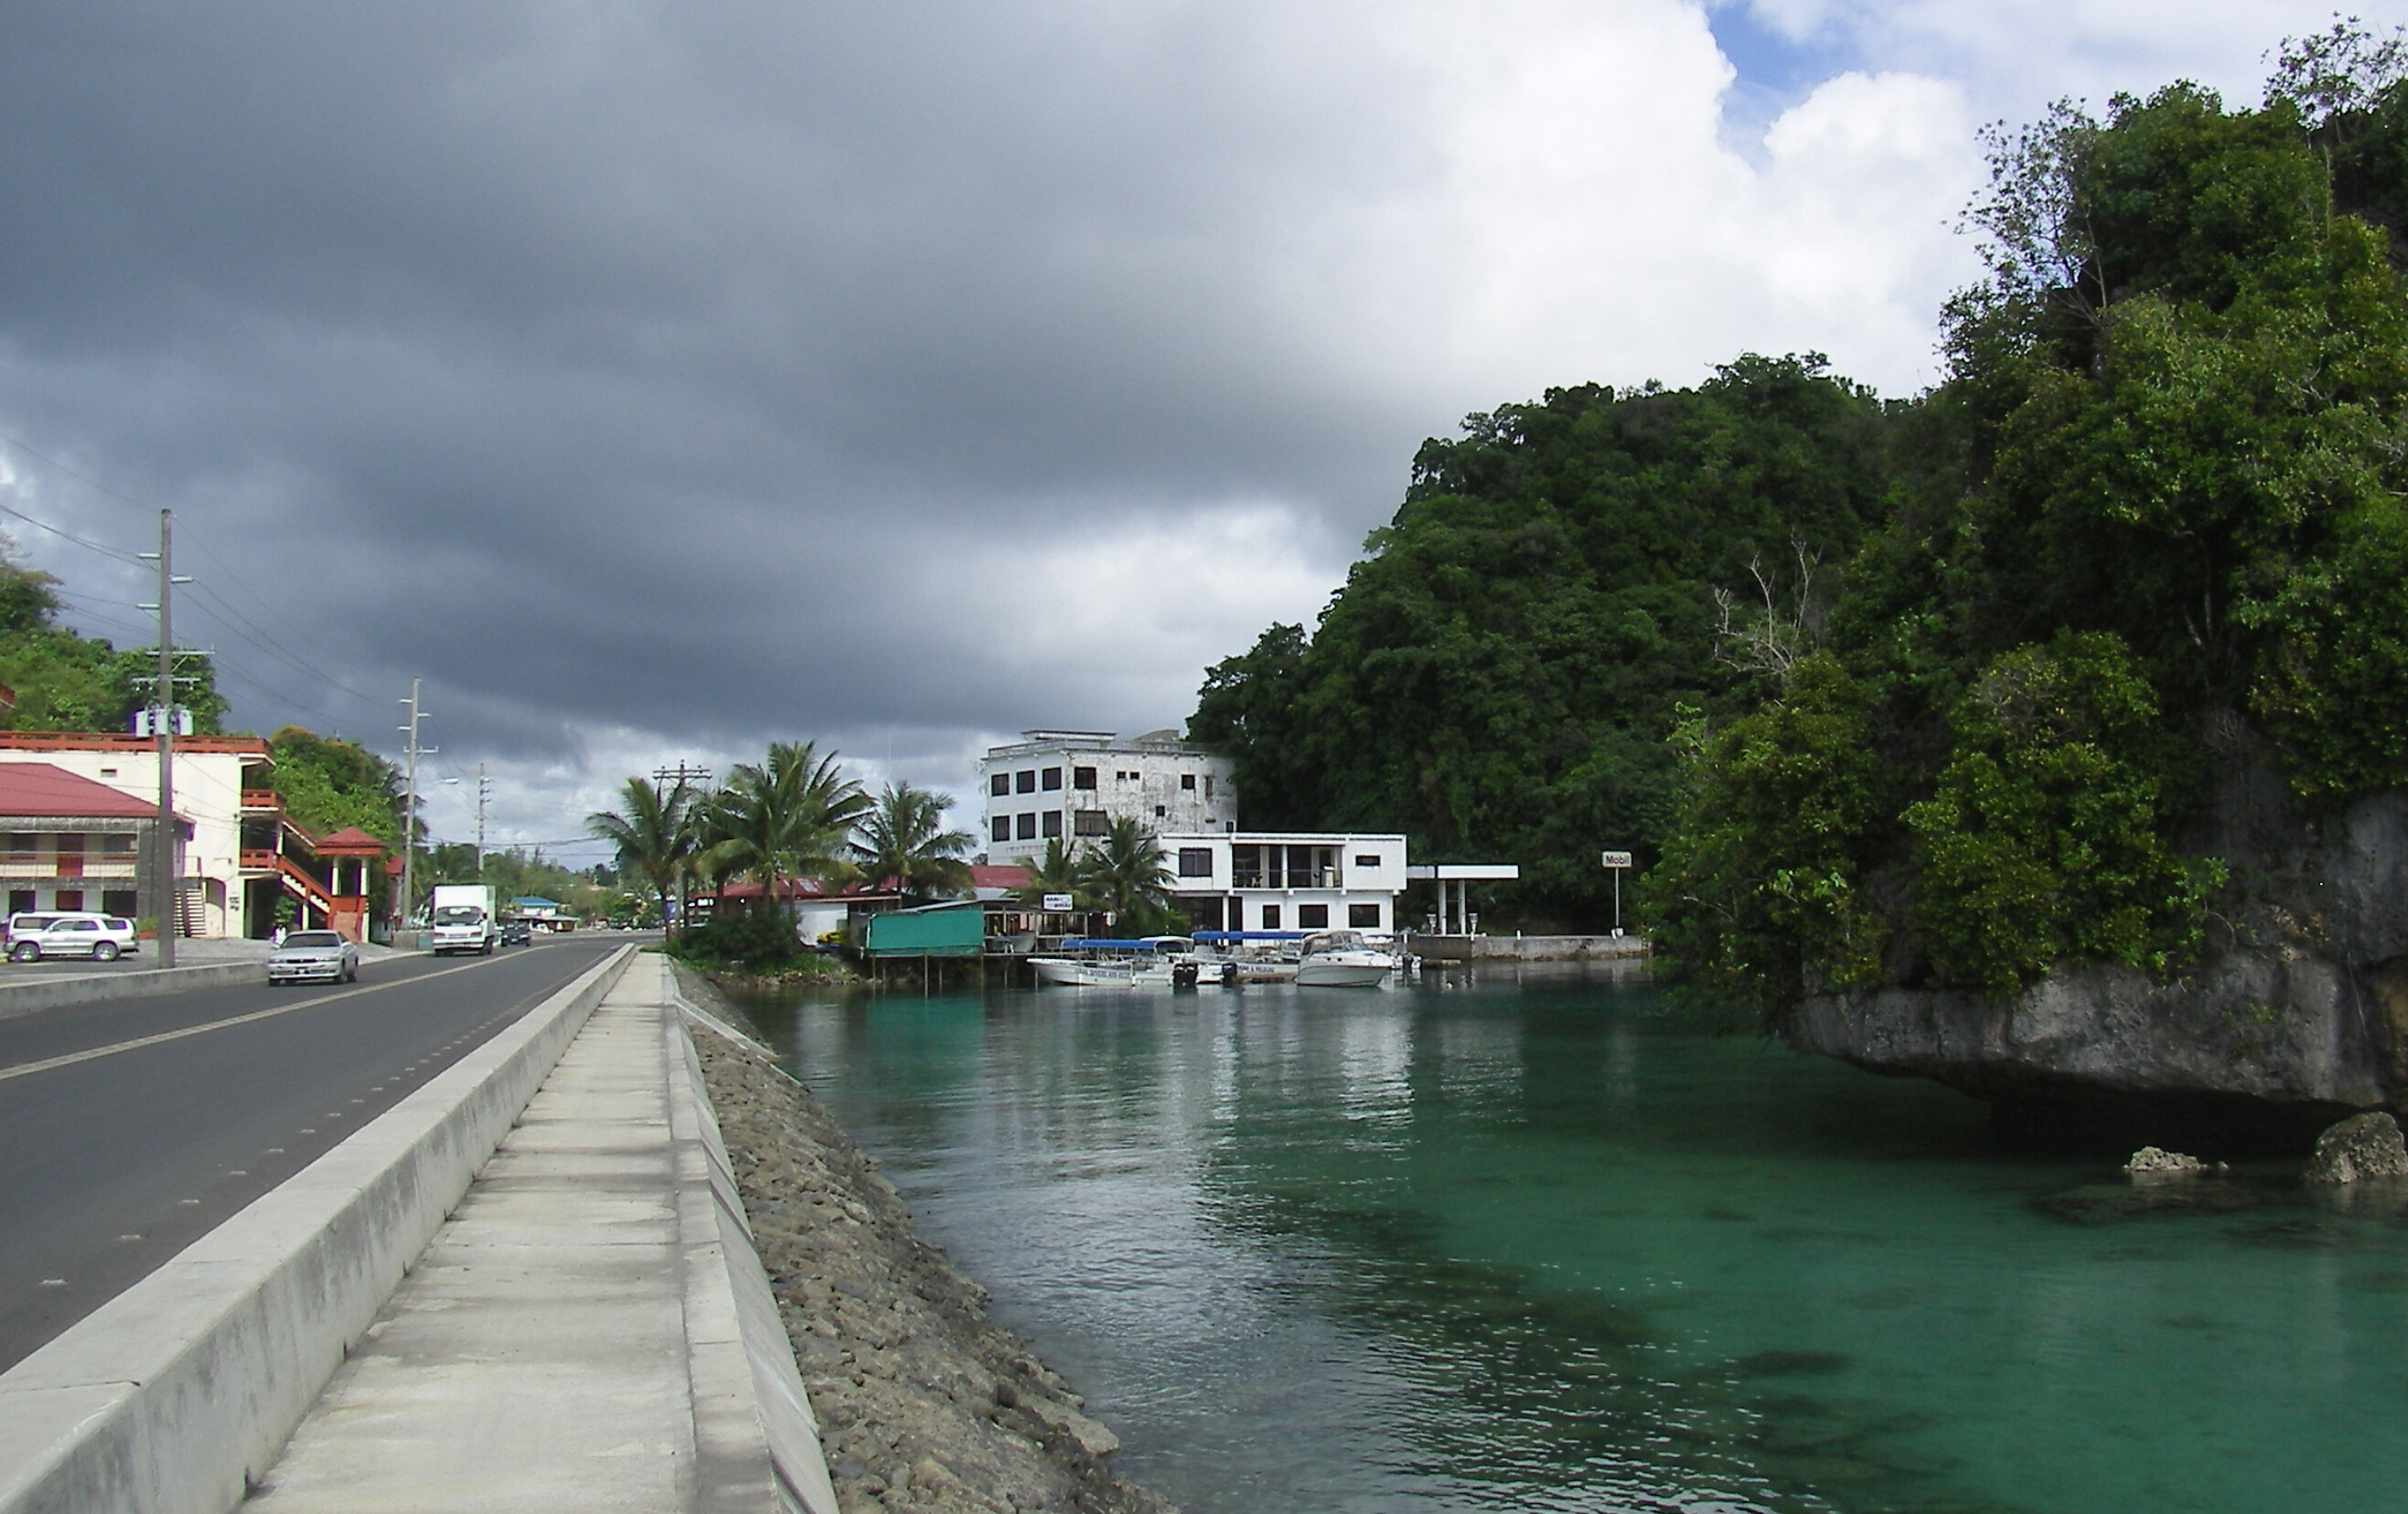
(70, 843)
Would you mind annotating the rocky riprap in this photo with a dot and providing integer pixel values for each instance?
(924, 1405)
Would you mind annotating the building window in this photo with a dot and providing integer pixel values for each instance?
(22, 847)
(1196, 862)
(69, 899)
(122, 846)
(1090, 822)
(1026, 780)
(999, 785)
(1025, 828)
(1366, 859)
(1208, 785)
(1001, 828)
(1053, 825)
(1363, 917)
(1270, 917)
(1187, 782)
(1159, 812)
(119, 901)
(1313, 917)
(1052, 779)
(1246, 867)
(1082, 777)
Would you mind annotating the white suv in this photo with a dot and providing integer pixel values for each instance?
(101, 938)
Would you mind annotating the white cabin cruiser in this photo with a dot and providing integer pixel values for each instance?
(1343, 959)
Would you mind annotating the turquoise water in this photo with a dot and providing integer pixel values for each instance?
(1545, 1244)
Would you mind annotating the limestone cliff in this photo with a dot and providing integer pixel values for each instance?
(2297, 1013)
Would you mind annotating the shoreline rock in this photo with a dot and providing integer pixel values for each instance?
(2363, 1147)
(925, 1403)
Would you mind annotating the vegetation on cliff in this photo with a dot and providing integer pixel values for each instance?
(1992, 642)
(66, 681)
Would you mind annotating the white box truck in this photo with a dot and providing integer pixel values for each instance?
(462, 919)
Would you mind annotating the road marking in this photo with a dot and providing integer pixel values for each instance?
(95, 1053)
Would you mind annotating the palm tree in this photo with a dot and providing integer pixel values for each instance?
(654, 832)
(902, 837)
(783, 818)
(1061, 870)
(1125, 873)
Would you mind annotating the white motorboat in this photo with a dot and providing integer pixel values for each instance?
(1097, 962)
(1343, 959)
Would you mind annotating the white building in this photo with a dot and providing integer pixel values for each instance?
(219, 782)
(1285, 880)
(1073, 784)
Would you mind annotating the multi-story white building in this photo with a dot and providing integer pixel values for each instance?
(1285, 880)
(1073, 784)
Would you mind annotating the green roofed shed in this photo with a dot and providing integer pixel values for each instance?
(945, 930)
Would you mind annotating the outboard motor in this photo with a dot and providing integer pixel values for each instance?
(1183, 974)
(1228, 974)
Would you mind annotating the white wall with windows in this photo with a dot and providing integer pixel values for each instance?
(1073, 784)
(1287, 880)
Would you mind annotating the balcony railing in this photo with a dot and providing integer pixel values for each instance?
(259, 799)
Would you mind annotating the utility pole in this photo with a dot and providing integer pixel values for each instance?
(166, 872)
(682, 777)
(410, 807)
(484, 792)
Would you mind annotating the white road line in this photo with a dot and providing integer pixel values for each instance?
(95, 1053)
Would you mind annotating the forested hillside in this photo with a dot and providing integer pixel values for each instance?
(2150, 524)
(63, 681)
(1500, 672)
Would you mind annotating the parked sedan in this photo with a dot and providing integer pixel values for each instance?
(314, 956)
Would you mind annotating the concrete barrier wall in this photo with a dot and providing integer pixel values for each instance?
(1528, 948)
(756, 1442)
(175, 1396)
(121, 984)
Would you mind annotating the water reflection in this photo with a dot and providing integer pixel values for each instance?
(1541, 1245)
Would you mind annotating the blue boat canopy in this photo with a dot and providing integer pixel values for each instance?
(1252, 936)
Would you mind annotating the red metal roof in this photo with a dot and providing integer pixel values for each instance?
(999, 876)
(350, 838)
(39, 789)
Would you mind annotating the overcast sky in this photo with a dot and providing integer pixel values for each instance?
(655, 379)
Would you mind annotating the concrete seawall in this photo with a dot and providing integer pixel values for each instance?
(176, 1396)
(1529, 947)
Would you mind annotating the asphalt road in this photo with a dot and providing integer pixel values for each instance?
(129, 1129)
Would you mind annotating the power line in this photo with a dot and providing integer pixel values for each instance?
(68, 536)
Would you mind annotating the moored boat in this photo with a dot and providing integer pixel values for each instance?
(1098, 962)
(1343, 959)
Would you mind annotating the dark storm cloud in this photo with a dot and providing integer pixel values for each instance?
(629, 355)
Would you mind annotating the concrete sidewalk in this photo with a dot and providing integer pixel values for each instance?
(583, 1333)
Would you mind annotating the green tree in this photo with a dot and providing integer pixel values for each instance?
(2042, 843)
(326, 783)
(1500, 672)
(652, 834)
(1124, 872)
(1059, 870)
(64, 682)
(901, 837)
(786, 816)
(1763, 889)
